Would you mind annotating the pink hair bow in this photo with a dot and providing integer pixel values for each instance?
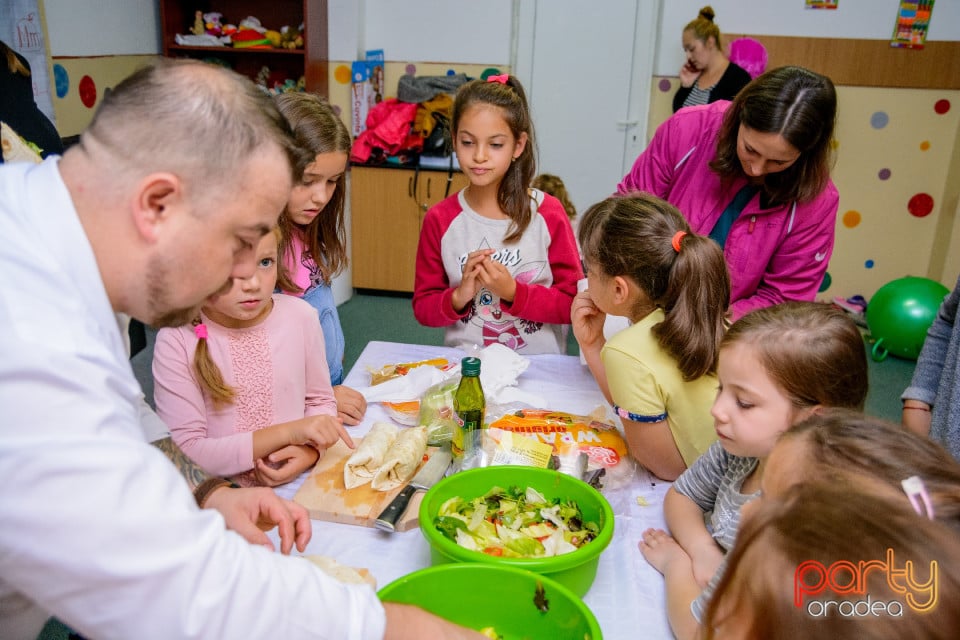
(201, 331)
(502, 79)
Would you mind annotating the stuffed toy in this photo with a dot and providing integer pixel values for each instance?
(213, 23)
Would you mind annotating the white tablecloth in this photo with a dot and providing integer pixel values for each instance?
(627, 596)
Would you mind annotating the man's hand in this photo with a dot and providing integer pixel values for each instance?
(252, 511)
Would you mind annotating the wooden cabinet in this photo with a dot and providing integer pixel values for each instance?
(310, 61)
(387, 208)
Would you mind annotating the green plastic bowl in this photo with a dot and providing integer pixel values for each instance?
(575, 570)
(483, 595)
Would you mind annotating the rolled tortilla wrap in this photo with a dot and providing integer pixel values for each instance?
(402, 460)
(369, 455)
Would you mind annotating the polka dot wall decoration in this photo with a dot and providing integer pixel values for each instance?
(868, 264)
(920, 205)
(884, 174)
(451, 72)
(489, 71)
(925, 145)
(342, 74)
(664, 85)
(851, 219)
(88, 92)
(827, 281)
(942, 106)
(411, 69)
(879, 119)
(61, 80)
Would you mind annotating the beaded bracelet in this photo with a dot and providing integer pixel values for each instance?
(208, 486)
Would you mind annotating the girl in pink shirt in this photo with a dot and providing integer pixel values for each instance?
(242, 389)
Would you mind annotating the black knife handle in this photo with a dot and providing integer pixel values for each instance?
(387, 521)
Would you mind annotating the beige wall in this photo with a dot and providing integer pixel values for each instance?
(878, 239)
(105, 71)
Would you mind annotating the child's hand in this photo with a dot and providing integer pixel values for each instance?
(497, 278)
(706, 560)
(351, 405)
(320, 432)
(587, 321)
(284, 465)
(470, 284)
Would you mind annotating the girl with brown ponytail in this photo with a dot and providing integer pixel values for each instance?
(245, 389)
(643, 262)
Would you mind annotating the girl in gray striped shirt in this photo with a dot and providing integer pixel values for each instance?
(777, 366)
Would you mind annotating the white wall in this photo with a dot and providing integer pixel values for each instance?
(102, 28)
(867, 19)
(458, 31)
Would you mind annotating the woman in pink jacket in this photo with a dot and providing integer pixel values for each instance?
(754, 175)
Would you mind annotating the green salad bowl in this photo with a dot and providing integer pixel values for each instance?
(575, 570)
(515, 603)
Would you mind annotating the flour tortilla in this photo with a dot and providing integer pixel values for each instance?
(402, 460)
(362, 466)
(342, 572)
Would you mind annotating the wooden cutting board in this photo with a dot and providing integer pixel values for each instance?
(327, 498)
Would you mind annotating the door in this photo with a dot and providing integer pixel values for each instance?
(587, 68)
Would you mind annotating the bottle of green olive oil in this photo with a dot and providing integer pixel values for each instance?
(469, 407)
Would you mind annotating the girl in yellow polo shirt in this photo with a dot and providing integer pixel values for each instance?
(643, 262)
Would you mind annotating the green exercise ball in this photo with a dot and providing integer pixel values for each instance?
(900, 314)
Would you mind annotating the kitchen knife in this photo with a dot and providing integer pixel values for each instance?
(430, 474)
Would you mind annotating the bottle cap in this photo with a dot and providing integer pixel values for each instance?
(470, 366)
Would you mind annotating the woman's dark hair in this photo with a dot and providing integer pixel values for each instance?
(633, 236)
(512, 195)
(801, 106)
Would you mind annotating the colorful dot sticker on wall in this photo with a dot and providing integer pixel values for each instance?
(489, 71)
(451, 72)
(942, 106)
(920, 205)
(884, 174)
(411, 69)
(851, 219)
(879, 119)
(827, 281)
(61, 80)
(925, 145)
(88, 91)
(868, 264)
(342, 74)
(664, 85)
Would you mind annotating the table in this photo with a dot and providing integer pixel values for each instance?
(627, 596)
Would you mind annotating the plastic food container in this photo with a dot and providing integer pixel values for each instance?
(575, 570)
(510, 600)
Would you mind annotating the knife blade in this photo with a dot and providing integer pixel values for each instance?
(429, 475)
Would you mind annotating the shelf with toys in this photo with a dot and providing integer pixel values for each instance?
(281, 44)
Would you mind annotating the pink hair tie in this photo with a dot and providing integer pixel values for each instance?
(917, 493)
(677, 237)
(200, 330)
(502, 79)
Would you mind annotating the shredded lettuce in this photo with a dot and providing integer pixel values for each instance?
(515, 522)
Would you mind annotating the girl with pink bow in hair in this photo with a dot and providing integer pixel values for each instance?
(497, 262)
(246, 390)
